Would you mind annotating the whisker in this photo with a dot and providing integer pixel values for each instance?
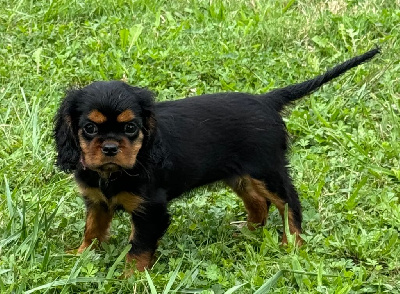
(147, 172)
(125, 171)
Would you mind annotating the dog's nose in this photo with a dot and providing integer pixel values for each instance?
(109, 149)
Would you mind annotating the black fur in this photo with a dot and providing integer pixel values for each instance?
(68, 153)
(189, 143)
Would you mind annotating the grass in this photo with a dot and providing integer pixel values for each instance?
(345, 142)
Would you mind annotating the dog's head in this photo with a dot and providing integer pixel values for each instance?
(103, 126)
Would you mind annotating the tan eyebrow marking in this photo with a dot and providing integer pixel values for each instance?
(125, 116)
(97, 117)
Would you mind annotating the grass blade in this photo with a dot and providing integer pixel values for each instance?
(34, 235)
(45, 261)
(172, 279)
(233, 289)
(319, 276)
(270, 283)
(66, 282)
(9, 198)
(187, 276)
(290, 3)
(151, 284)
(134, 33)
(118, 260)
(10, 239)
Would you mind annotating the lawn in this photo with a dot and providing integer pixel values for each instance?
(345, 141)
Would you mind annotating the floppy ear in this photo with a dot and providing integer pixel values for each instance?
(146, 102)
(145, 99)
(68, 150)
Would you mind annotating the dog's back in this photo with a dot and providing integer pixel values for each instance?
(218, 136)
(215, 136)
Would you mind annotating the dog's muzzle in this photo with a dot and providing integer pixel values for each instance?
(109, 149)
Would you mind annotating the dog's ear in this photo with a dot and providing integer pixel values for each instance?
(145, 99)
(68, 150)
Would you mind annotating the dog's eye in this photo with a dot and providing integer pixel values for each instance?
(90, 129)
(130, 129)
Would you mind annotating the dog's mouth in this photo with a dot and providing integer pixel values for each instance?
(108, 167)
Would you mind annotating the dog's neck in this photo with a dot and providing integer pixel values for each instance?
(107, 177)
(105, 182)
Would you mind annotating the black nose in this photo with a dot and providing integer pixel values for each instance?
(110, 149)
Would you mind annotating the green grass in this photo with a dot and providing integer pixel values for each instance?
(345, 142)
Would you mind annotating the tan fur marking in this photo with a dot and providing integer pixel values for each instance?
(280, 205)
(97, 117)
(143, 260)
(98, 217)
(97, 226)
(256, 205)
(125, 116)
(94, 157)
(129, 151)
(130, 202)
(91, 150)
(275, 199)
(94, 194)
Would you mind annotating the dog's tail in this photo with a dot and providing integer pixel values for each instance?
(280, 97)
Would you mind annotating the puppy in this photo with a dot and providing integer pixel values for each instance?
(128, 152)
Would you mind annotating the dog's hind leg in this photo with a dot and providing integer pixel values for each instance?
(279, 190)
(256, 205)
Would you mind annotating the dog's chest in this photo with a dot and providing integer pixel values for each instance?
(112, 196)
(115, 192)
(108, 188)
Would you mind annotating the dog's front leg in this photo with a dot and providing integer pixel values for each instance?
(98, 220)
(148, 225)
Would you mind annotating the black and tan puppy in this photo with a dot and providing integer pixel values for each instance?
(130, 153)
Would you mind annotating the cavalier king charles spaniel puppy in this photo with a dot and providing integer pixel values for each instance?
(128, 152)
